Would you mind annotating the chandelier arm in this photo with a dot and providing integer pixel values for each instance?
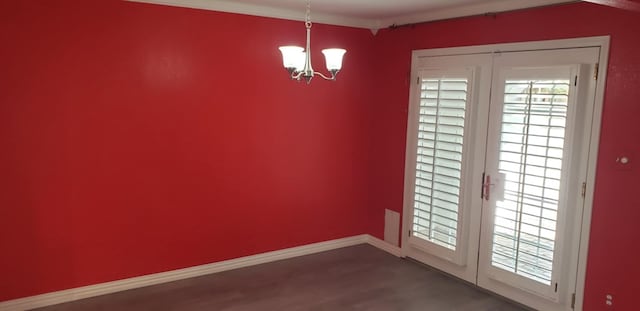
(332, 78)
(296, 75)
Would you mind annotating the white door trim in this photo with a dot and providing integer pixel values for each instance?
(599, 41)
(603, 42)
(594, 145)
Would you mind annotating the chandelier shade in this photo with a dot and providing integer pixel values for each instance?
(333, 58)
(293, 57)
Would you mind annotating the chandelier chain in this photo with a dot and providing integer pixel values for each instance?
(307, 21)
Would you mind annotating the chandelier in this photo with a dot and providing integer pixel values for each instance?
(298, 61)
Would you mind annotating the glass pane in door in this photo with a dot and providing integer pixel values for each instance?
(531, 145)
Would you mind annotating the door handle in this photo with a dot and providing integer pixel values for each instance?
(486, 187)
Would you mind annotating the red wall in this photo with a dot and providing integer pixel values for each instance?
(138, 138)
(613, 253)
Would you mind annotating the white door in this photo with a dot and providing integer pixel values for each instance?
(450, 104)
(496, 160)
(535, 168)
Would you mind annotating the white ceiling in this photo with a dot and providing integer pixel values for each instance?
(372, 14)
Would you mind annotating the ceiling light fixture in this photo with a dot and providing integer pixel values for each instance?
(298, 61)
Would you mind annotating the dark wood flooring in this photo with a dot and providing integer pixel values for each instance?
(353, 278)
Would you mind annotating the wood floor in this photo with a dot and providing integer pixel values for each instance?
(353, 278)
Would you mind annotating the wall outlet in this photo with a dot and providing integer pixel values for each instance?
(624, 161)
(609, 300)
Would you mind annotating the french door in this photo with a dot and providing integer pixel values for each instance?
(497, 157)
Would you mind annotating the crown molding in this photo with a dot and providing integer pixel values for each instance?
(350, 21)
(491, 7)
(620, 4)
(266, 11)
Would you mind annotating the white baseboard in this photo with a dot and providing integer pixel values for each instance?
(68, 295)
(385, 246)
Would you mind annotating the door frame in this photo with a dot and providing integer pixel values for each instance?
(602, 42)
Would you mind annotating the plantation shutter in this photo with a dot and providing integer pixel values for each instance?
(443, 102)
(532, 138)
